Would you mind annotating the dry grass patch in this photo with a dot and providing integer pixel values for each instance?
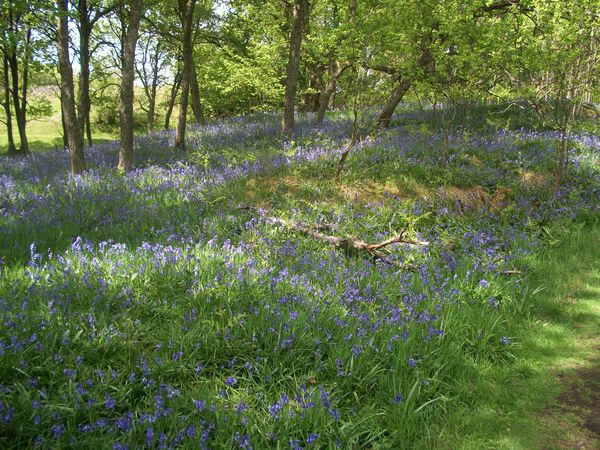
(534, 180)
(475, 198)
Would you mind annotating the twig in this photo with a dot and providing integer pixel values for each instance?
(512, 272)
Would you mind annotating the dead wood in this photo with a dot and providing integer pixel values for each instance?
(512, 272)
(350, 243)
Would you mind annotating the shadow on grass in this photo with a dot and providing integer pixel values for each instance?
(523, 405)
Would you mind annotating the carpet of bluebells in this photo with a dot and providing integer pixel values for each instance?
(157, 310)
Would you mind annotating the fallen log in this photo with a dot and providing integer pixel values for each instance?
(349, 243)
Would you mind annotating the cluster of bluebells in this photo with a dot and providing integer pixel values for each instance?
(162, 321)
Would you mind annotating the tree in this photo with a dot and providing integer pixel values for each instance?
(149, 67)
(554, 64)
(186, 15)
(67, 90)
(6, 104)
(332, 45)
(130, 23)
(17, 54)
(299, 17)
(88, 14)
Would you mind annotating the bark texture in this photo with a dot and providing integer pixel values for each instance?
(299, 13)
(67, 90)
(336, 69)
(186, 12)
(385, 116)
(126, 91)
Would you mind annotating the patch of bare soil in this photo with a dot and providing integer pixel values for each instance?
(578, 410)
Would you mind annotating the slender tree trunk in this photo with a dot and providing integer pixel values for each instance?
(293, 65)
(126, 91)
(25, 79)
(152, 104)
(22, 119)
(13, 64)
(186, 11)
(311, 99)
(21, 127)
(88, 129)
(336, 69)
(83, 107)
(65, 137)
(172, 99)
(67, 90)
(11, 149)
(151, 91)
(196, 102)
(385, 116)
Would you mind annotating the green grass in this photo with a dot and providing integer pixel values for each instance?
(198, 297)
(46, 133)
(516, 406)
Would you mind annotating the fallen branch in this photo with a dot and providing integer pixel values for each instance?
(512, 272)
(349, 243)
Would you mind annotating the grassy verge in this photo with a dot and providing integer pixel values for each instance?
(517, 406)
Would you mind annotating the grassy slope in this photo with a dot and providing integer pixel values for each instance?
(500, 405)
(518, 405)
(515, 406)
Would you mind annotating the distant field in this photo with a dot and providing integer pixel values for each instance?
(46, 133)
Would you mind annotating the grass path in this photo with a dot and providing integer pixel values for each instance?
(549, 398)
(573, 420)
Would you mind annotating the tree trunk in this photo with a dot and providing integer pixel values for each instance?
(336, 69)
(10, 50)
(385, 116)
(83, 107)
(67, 90)
(153, 89)
(311, 98)
(65, 138)
(293, 65)
(11, 149)
(126, 91)
(24, 88)
(88, 129)
(14, 73)
(196, 102)
(172, 99)
(186, 12)
(151, 106)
